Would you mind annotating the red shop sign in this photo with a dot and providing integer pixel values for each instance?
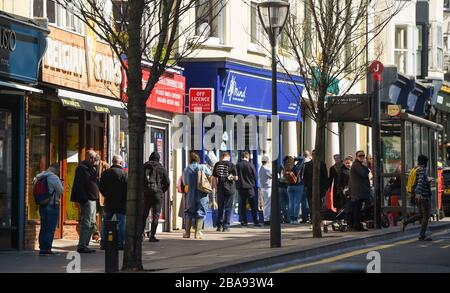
(201, 100)
(167, 95)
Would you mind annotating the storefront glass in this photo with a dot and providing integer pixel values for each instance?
(72, 148)
(5, 177)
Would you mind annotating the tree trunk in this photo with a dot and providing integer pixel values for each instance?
(316, 192)
(132, 259)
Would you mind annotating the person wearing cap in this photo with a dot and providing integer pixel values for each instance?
(265, 184)
(49, 213)
(157, 184)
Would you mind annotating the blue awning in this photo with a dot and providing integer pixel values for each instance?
(246, 90)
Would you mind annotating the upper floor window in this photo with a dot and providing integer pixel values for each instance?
(439, 48)
(120, 14)
(419, 49)
(446, 4)
(209, 20)
(58, 15)
(401, 48)
(255, 25)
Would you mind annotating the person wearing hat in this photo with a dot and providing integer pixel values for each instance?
(265, 182)
(157, 184)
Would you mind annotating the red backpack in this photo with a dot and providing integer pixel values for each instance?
(41, 191)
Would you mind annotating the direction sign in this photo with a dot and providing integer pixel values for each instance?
(350, 108)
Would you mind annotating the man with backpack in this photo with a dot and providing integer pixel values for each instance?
(113, 186)
(47, 192)
(156, 184)
(419, 186)
(246, 188)
(225, 174)
(85, 192)
(293, 169)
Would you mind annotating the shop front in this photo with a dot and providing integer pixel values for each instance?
(245, 91)
(166, 100)
(80, 85)
(22, 46)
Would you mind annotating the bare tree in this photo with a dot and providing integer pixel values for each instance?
(331, 44)
(158, 31)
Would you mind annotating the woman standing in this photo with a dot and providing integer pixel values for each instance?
(197, 201)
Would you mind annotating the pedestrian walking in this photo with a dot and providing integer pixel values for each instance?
(359, 189)
(283, 194)
(51, 185)
(265, 181)
(245, 185)
(422, 193)
(85, 192)
(197, 200)
(156, 185)
(113, 186)
(226, 175)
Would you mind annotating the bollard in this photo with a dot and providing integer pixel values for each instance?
(111, 247)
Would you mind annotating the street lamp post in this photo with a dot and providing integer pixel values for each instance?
(273, 15)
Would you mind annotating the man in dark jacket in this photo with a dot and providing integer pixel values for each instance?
(113, 186)
(157, 183)
(245, 185)
(308, 179)
(85, 192)
(359, 188)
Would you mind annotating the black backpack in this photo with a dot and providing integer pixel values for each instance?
(152, 182)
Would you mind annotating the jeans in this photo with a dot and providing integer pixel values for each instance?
(225, 207)
(424, 216)
(49, 220)
(155, 204)
(284, 203)
(266, 195)
(296, 198)
(244, 196)
(120, 225)
(87, 221)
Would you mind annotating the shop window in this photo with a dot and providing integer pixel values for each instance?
(72, 149)
(37, 157)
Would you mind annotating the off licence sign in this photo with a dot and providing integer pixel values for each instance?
(201, 100)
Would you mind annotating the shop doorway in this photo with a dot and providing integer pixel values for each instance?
(7, 232)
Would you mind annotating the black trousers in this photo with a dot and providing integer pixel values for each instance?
(356, 211)
(248, 195)
(155, 204)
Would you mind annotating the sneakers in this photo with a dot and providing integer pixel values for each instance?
(153, 239)
(85, 250)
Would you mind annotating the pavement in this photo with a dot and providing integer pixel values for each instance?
(243, 249)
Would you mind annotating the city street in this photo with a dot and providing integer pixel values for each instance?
(407, 256)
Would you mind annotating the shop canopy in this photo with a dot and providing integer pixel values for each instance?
(91, 103)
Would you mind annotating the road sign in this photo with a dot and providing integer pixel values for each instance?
(376, 68)
(350, 108)
(201, 100)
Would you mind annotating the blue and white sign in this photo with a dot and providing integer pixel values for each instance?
(22, 46)
(251, 94)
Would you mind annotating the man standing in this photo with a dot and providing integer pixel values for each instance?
(308, 179)
(225, 174)
(85, 192)
(265, 181)
(49, 213)
(423, 196)
(113, 186)
(246, 188)
(335, 170)
(359, 188)
(157, 183)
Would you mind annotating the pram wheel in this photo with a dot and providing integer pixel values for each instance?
(343, 228)
(325, 229)
(385, 222)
